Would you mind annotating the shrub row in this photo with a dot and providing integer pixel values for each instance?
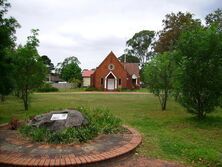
(52, 89)
(47, 87)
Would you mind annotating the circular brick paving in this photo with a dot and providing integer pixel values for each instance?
(17, 151)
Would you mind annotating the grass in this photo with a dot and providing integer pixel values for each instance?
(171, 135)
(72, 89)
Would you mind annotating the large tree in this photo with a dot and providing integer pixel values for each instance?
(157, 75)
(139, 45)
(48, 63)
(174, 25)
(69, 69)
(200, 53)
(29, 68)
(214, 18)
(7, 43)
(128, 58)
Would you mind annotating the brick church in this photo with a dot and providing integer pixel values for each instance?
(111, 74)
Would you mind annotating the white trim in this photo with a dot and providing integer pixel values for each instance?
(115, 86)
(134, 76)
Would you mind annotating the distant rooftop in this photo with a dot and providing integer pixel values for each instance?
(87, 73)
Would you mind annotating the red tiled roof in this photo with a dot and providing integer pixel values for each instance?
(132, 68)
(87, 73)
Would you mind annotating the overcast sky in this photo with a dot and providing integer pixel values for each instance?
(90, 29)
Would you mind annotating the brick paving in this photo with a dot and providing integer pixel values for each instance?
(17, 151)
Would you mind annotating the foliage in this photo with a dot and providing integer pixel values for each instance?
(7, 43)
(69, 69)
(139, 45)
(100, 122)
(214, 18)
(70, 60)
(90, 89)
(47, 61)
(174, 25)
(75, 83)
(30, 71)
(201, 70)
(129, 58)
(47, 87)
(157, 75)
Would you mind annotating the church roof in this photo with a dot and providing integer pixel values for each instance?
(132, 68)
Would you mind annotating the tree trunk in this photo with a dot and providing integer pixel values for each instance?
(164, 105)
(25, 98)
(2, 98)
(164, 100)
(201, 115)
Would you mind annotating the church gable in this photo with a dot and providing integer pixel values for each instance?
(110, 63)
(111, 75)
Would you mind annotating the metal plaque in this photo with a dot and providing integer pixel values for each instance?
(58, 117)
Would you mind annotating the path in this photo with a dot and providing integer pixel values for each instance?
(97, 92)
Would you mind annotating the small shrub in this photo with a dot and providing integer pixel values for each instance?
(100, 121)
(46, 87)
(75, 83)
(26, 130)
(14, 123)
(105, 121)
(90, 89)
(39, 134)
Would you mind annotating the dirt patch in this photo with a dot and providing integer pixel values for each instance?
(139, 161)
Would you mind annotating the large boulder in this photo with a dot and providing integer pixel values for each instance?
(74, 119)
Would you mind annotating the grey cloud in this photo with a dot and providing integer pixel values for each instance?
(91, 29)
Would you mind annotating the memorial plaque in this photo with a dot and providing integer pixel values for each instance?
(58, 117)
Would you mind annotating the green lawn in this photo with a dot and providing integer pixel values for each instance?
(171, 135)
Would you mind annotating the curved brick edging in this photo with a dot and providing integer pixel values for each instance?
(70, 159)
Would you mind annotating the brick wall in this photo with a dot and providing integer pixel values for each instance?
(118, 71)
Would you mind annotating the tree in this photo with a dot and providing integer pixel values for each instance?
(129, 58)
(47, 61)
(174, 25)
(30, 70)
(7, 43)
(200, 53)
(70, 70)
(215, 17)
(157, 75)
(139, 45)
(69, 60)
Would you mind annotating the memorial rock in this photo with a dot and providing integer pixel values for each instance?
(59, 120)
